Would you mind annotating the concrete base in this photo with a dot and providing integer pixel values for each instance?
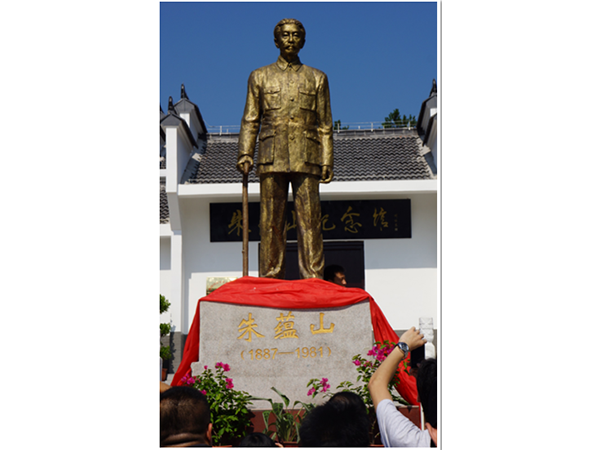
(274, 347)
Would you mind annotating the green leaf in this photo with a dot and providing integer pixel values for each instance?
(285, 398)
(277, 409)
(164, 304)
(266, 415)
(312, 380)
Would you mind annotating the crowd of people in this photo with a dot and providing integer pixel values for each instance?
(340, 422)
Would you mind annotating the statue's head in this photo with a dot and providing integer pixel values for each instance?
(289, 36)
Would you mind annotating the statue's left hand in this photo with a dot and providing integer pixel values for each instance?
(326, 174)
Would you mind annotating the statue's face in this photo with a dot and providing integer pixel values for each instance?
(289, 40)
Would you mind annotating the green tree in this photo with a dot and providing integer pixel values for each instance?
(337, 125)
(165, 328)
(393, 120)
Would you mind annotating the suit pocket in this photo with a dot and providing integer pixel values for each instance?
(265, 146)
(312, 147)
(308, 99)
(272, 97)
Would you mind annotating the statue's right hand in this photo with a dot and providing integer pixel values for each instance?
(244, 166)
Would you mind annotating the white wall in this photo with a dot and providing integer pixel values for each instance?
(433, 145)
(401, 274)
(165, 274)
(203, 258)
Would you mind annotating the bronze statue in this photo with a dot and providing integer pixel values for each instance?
(289, 102)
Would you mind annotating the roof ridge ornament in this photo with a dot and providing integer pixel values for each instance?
(171, 107)
(433, 88)
(183, 94)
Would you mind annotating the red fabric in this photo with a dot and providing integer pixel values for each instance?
(310, 293)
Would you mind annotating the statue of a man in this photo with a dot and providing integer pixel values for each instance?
(289, 102)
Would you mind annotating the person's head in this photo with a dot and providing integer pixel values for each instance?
(184, 417)
(427, 390)
(341, 422)
(257, 440)
(289, 37)
(348, 400)
(335, 274)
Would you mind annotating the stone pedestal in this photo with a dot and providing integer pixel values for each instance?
(283, 348)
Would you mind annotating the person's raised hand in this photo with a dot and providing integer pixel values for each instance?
(412, 338)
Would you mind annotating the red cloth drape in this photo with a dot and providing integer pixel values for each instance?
(309, 293)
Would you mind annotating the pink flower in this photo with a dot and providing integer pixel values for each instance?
(325, 387)
(371, 352)
(228, 383)
(203, 391)
(356, 362)
(311, 391)
(190, 381)
(219, 364)
(205, 367)
(324, 381)
(380, 355)
(226, 367)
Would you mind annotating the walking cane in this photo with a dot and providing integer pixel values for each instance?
(245, 219)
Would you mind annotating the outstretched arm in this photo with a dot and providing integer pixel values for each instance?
(378, 385)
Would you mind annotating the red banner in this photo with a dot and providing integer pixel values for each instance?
(311, 293)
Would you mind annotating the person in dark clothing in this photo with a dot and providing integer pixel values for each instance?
(335, 274)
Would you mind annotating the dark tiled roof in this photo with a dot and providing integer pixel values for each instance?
(185, 105)
(218, 163)
(379, 157)
(164, 204)
(358, 156)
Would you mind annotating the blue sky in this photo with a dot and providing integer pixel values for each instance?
(377, 56)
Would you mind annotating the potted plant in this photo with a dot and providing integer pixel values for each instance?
(229, 408)
(165, 329)
(287, 425)
(287, 421)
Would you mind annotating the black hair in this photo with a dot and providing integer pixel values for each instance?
(183, 410)
(341, 422)
(348, 400)
(257, 440)
(427, 389)
(330, 271)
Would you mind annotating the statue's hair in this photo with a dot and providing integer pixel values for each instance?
(283, 22)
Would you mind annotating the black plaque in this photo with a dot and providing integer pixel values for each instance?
(341, 219)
